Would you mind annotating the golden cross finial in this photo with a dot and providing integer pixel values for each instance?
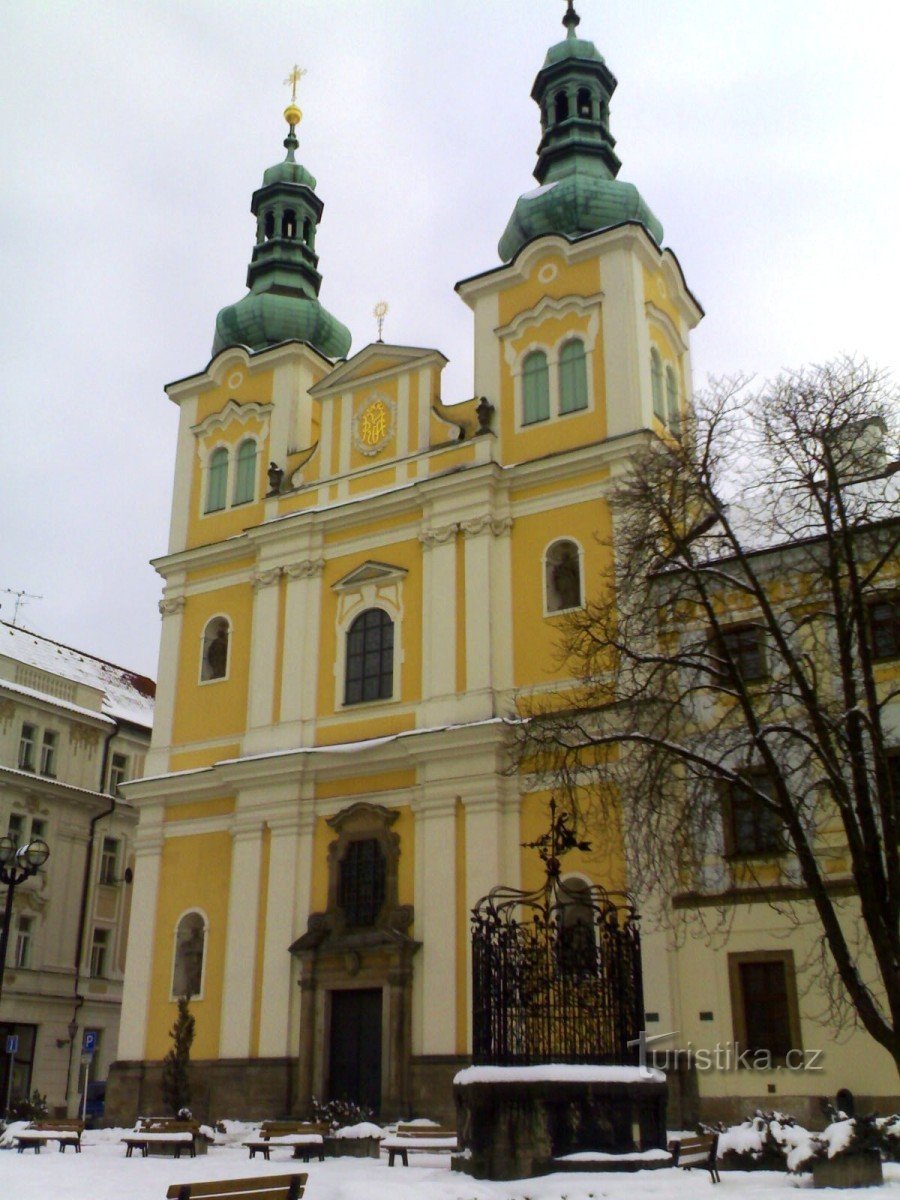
(293, 79)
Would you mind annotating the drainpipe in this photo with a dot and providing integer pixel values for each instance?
(85, 891)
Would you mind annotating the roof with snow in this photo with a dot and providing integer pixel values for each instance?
(126, 695)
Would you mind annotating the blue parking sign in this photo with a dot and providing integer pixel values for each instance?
(12, 1043)
(89, 1042)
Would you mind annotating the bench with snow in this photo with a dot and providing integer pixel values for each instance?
(700, 1151)
(304, 1137)
(420, 1139)
(261, 1187)
(163, 1131)
(39, 1133)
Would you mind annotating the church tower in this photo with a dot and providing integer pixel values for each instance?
(361, 583)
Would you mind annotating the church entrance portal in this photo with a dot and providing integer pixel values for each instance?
(354, 1071)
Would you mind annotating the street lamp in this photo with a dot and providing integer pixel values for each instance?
(16, 865)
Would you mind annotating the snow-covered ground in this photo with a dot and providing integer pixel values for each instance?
(101, 1172)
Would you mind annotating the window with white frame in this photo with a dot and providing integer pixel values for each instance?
(573, 388)
(118, 772)
(562, 577)
(535, 388)
(100, 943)
(24, 936)
(49, 744)
(27, 746)
(672, 406)
(217, 480)
(245, 473)
(656, 384)
(109, 861)
(369, 663)
(215, 649)
(190, 948)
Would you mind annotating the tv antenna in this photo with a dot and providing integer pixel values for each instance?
(21, 598)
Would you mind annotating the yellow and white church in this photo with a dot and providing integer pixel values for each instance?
(360, 580)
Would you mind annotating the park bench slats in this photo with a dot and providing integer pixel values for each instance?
(272, 1187)
(66, 1131)
(162, 1131)
(420, 1139)
(304, 1137)
(700, 1151)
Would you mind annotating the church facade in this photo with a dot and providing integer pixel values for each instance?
(360, 581)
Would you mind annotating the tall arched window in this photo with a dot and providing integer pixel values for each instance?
(214, 653)
(560, 106)
(562, 579)
(369, 668)
(672, 399)
(289, 224)
(190, 947)
(217, 480)
(269, 224)
(245, 475)
(535, 388)
(656, 381)
(307, 230)
(584, 103)
(573, 393)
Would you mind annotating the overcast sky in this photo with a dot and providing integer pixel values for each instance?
(763, 135)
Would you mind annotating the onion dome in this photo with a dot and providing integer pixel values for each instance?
(282, 303)
(577, 165)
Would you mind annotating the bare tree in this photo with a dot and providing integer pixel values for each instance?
(734, 675)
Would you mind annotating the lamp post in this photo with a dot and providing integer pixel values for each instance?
(16, 865)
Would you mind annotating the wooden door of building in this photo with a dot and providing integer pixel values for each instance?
(355, 1051)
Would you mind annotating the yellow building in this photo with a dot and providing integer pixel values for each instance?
(359, 582)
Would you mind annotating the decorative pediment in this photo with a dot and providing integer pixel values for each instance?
(376, 361)
(549, 306)
(232, 411)
(369, 572)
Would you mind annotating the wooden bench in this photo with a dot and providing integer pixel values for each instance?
(39, 1133)
(700, 1151)
(165, 1131)
(304, 1137)
(420, 1139)
(261, 1187)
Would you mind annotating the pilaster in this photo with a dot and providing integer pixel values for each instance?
(434, 990)
(145, 942)
(241, 937)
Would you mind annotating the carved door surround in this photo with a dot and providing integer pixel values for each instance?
(336, 955)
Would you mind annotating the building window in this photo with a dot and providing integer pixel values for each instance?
(535, 388)
(38, 828)
(269, 224)
(753, 827)
(573, 392)
(118, 772)
(363, 880)
(99, 953)
(16, 828)
(745, 646)
(216, 641)
(764, 1003)
(49, 744)
(884, 627)
(561, 106)
(656, 383)
(585, 107)
(562, 577)
(22, 949)
(109, 861)
(672, 400)
(190, 946)
(369, 671)
(245, 476)
(289, 224)
(27, 743)
(217, 480)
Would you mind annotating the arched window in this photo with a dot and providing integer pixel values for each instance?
(369, 669)
(562, 580)
(672, 399)
(217, 481)
(216, 643)
(535, 388)
(572, 377)
(656, 381)
(289, 224)
(190, 945)
(584, 104)
(560, 107)
(269, 225)
(307, 230)
(245, 476)
(575, 937)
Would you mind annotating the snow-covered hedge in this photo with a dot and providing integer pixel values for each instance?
(773, 1141)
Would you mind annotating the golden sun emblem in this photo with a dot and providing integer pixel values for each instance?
(373, 424)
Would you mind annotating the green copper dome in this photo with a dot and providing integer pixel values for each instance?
(577, 163)
(282, 304)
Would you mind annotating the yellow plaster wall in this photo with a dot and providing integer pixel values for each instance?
(190, 760)
(196, 810)
(373, 725)
(218, 708)
(265, 858)
(365, 785)
(603, 864)
(183, 887)
(536, 638)
(579, 279)
(374, 481)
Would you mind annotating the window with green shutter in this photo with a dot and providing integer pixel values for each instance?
(217, 482)
(573, 393)
(245, 476)
(656, 381)
(672, 400)
(535, 388)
